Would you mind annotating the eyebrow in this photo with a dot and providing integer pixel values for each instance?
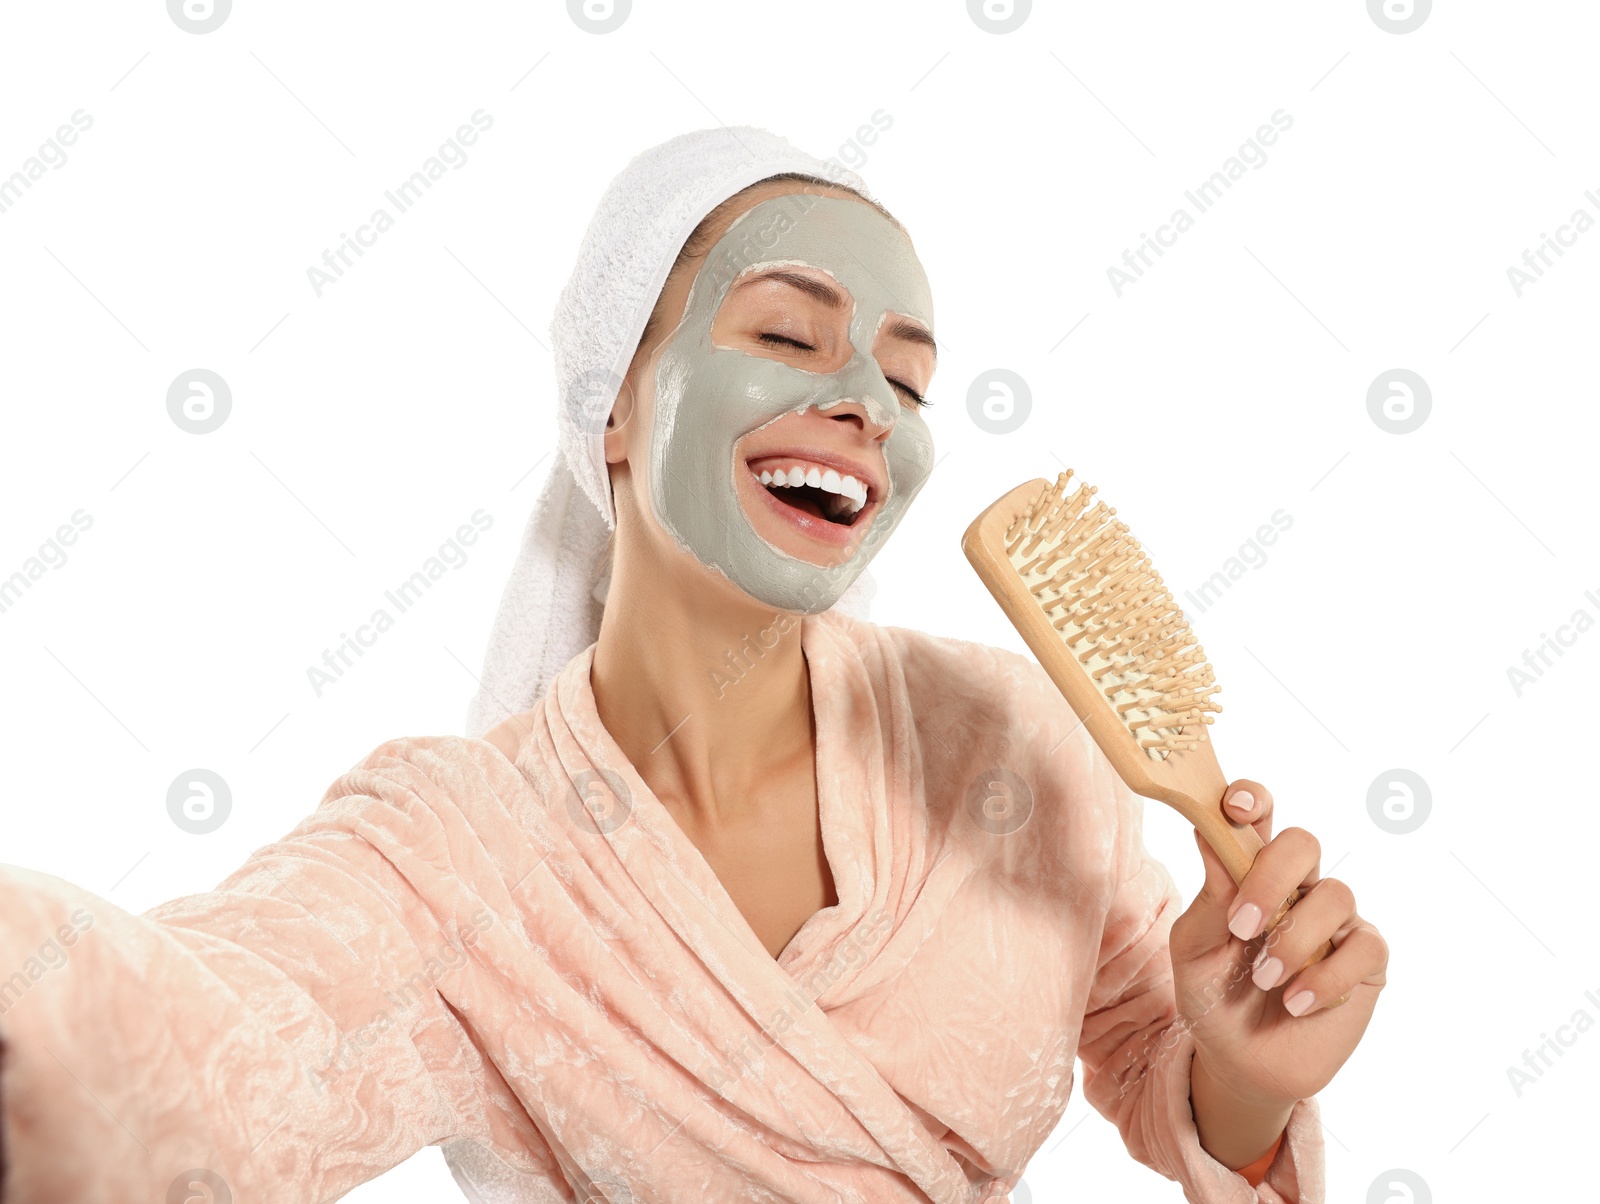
(821, 290)
(911, 332)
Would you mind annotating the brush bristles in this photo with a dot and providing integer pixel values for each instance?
(1102, 594)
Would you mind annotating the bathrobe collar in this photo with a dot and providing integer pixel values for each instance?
(874, 835)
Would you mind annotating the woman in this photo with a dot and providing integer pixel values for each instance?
(720, 907)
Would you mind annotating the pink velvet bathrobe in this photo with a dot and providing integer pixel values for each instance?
(532, 965)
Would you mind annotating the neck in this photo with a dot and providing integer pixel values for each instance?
(705, 690)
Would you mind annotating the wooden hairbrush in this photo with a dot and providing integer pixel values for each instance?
(1080, 590)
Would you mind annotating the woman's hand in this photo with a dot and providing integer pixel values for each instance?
(1268, 1032)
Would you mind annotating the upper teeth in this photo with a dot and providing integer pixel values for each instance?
(820, 478)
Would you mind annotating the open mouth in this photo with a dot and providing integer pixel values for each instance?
(812, 489)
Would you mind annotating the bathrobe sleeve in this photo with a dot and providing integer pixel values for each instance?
(287, 1032)
(1136, 1050)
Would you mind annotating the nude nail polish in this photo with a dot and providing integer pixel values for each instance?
(1246, 922)
(1301, 1001)
(1267, 973)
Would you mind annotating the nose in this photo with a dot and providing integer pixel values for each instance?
(863, 389)
(857, 414)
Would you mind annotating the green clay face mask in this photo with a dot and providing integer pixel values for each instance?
(708, 398)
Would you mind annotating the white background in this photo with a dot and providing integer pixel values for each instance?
(1230, 382)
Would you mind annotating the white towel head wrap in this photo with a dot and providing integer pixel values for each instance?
(550, 610)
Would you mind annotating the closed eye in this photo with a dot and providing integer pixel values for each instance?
(783, 340)
(909, 392)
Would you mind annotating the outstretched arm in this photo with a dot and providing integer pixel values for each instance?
(288, 1032)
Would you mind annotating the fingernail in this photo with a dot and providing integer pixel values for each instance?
(1245, 922)
(1267, 974)
(1301, 1001)
(1240, 802)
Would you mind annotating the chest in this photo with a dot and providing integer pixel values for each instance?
(772, 864)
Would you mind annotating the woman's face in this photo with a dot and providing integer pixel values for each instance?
(780, 440)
